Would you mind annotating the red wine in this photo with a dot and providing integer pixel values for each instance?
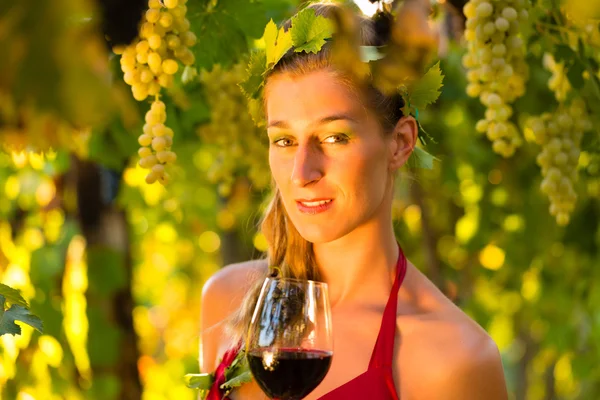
(289, 374)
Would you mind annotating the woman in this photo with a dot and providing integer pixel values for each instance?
(335, 147)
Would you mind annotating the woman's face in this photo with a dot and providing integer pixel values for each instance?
(327, 154)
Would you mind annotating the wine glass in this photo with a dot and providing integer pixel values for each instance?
(290, 343)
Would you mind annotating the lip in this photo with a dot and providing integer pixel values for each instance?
(315, 209)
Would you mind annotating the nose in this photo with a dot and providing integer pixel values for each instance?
(307, 166)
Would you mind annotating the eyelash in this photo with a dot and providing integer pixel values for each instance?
(343, 139)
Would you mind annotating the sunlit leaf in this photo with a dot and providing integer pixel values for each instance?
(17, 313)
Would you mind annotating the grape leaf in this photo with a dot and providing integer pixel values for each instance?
(257, 112)
(13, 296)
(238, 380)
(310, 31)
(225, 29)
(277, 43)
(238, 372)
(199, 381)
(421, 159)
(564, 53)
(575, 75)
(17, 313)
(254, 79)
(426, 90)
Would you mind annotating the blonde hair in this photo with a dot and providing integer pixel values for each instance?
(287, 249)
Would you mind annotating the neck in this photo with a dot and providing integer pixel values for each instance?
(362, 263)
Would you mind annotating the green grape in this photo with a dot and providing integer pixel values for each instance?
(153, 88)
(496, 67)
(146, 76)
(154, 41)
(170, 67)
(166, 20)
(232, 138)
(153, 15)
(170, 3)
(140, 91)
(148, 162)
(159, 143)
(158, 169)
(144, 152)
(145, 140)
(189, 39)
(151, 177)
(559, 136)
(148, 65)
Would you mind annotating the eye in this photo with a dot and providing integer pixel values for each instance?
(337, 138)
(283, 142)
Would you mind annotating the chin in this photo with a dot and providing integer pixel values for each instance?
(320, 233)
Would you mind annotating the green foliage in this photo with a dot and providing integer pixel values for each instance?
(277, 43)
(224, 29)
(421, 159)
(254, 80)
(426, 90)
(55, 66)
(13, 296)
(238, 372)
(18, 311)
(199, 381)
(310, 31)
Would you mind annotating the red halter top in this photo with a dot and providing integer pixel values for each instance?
(377, 382)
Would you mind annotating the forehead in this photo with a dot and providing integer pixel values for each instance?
(310, 97)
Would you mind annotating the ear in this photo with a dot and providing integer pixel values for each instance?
(402, 142)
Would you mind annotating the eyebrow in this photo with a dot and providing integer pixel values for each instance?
(324, 120)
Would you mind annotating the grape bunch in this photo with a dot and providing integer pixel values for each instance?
(149, 63)
(238, 146)
(560, 135)
(156, 143)
(496, 66)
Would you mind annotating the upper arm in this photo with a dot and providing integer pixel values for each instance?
(474, 373)
(222, 295)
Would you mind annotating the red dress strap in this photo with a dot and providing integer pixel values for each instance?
(383, 353)
(377, 382)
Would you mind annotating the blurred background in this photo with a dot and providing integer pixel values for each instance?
(114, 266)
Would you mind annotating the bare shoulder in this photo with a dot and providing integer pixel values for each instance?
(450, 355)
(222, 295)
(229, 285)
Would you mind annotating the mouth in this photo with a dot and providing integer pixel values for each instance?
(314, 206)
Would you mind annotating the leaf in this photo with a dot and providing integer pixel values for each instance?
(238, 372)
(421, 159)
(18, 313)
(238, 380)
(13, 296)
(224, 31)
(255, 71)
(563, 52)
(575, 75)
(199, 381)
(426, 90)
(257, 112)
(277, 43)
(310, 31)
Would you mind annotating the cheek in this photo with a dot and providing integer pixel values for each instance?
(366, 172)
(279, 168)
